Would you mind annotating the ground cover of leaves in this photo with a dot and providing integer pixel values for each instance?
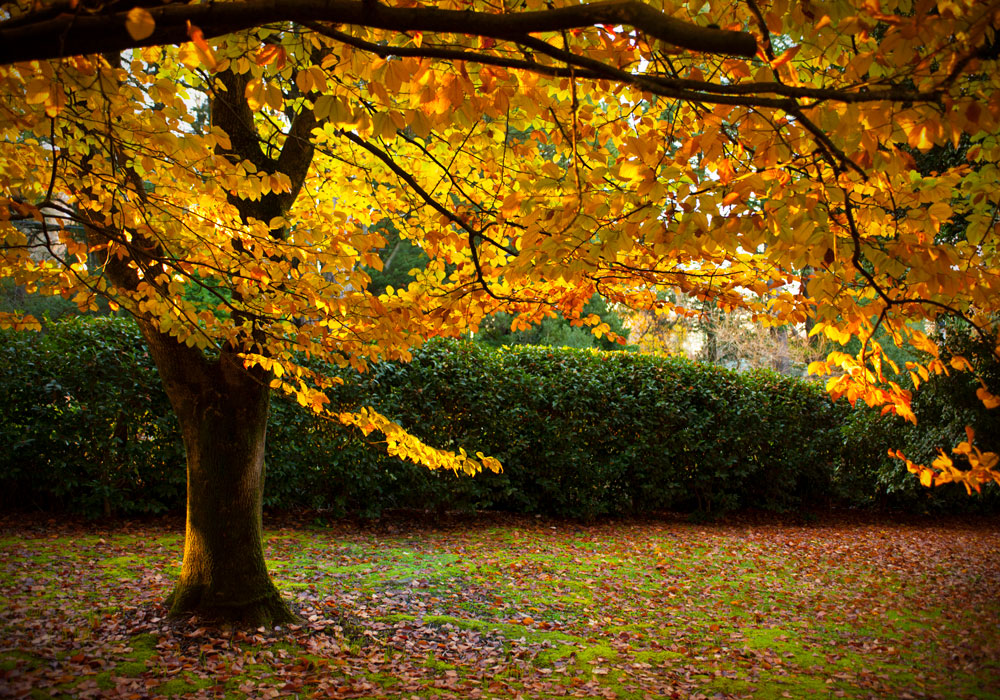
(505, 608)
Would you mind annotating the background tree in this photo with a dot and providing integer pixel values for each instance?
(732, 339)
(398, 260)
(537, 152)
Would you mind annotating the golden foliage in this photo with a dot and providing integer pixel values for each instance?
(533, 169)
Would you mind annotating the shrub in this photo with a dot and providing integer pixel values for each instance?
(586, 433)
(86, 424)
(580, 433)
(944, 406)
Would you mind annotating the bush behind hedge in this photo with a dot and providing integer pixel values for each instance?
(87, 428)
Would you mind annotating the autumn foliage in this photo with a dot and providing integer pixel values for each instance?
(216, 169)
(534, 169)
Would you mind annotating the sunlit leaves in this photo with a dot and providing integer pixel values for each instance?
(19, 322)
(531, 180)
(197, 52)
(981, 466)
(402, 444)
(989, 400)
(260, 94)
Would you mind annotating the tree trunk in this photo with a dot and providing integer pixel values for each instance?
(222, 409)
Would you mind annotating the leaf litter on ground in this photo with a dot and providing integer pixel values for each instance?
(507, 607)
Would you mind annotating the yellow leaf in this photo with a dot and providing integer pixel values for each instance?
(960, 363)
(254, 93)
(188, 55)
(940, 212)
(304, 81)
(630, 170)
(273, 97)
(139, 23)
(921, 133)
(18, 322)
(55, 104)
(197, 51)
(340, 111)
(322, 106)
(38, 91)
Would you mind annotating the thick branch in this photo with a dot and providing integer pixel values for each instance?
(744, 94)
(297, 154)
(232, 113)
(66, 34)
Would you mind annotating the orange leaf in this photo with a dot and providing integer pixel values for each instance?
(731, 198)
(786, 57)
(973, 112)
(269, 54)
(989, 400)
(197, 37)
(960, 363)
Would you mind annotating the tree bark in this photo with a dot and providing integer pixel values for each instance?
(223, 410)
(54, 32)
(221, 406)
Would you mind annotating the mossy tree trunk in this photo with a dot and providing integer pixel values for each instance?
(222, 408)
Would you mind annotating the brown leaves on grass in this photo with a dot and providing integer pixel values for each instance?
(521, 608)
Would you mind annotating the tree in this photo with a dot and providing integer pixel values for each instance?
(731, 339)
(537, 152)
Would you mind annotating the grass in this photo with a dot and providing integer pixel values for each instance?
(527, 608)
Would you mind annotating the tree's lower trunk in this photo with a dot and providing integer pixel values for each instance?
(224, 574)
(222, 409)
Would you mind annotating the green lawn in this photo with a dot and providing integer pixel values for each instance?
(508, 608)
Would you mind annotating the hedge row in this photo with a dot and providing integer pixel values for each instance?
(590, 433)
(86, 428)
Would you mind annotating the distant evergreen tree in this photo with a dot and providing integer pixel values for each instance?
(399, 257)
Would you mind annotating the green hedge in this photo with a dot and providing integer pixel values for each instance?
(84, 423)
(587, 433)
(86, 428)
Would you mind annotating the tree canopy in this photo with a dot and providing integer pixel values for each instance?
(224, 170)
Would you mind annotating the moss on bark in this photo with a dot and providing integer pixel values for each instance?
(222, 408)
